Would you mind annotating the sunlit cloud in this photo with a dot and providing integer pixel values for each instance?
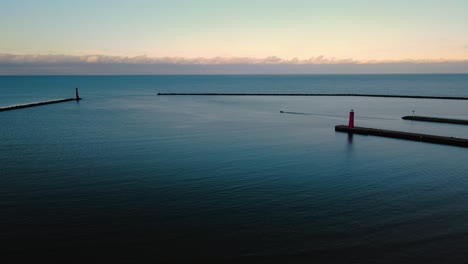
(272, 60)
(16, 64)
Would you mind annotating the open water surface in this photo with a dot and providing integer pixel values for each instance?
(126, 175)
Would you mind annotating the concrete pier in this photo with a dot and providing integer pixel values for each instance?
(313, 94)
(460, 142)
(14, 107)
(436, 119)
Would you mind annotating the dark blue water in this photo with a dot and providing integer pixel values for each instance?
(125, 175)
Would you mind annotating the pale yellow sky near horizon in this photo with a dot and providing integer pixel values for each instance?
(360, 30)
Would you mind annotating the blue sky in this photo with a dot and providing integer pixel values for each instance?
(361, 31)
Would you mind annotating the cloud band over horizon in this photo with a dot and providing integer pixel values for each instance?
(143, 59)
(17, 64)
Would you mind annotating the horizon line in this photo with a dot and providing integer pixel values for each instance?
(226, 74)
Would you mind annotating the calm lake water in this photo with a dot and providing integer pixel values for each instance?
(126, 175)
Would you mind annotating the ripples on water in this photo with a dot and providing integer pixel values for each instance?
(125, 175)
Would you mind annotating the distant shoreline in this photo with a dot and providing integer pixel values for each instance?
(232, 74)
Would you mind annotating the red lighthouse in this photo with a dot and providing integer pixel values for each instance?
(351, 119)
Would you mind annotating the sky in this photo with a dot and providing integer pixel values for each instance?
(209, 32)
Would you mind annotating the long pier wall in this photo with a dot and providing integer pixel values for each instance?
(14, 107)
(460, 142)
(323, 94)
(436, 119)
